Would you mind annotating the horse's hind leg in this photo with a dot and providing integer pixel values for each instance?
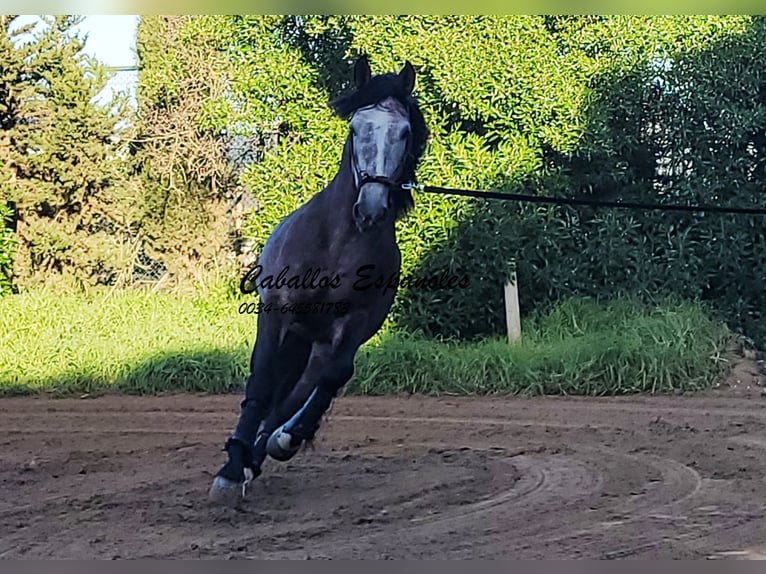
(283, 443)
(299, 354)
(271, 363)
(328, 370)
(279, 415)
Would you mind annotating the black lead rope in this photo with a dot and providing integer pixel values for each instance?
(585, 202)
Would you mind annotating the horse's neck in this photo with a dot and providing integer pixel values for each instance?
(342, 188)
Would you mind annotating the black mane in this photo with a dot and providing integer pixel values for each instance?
(377, 89)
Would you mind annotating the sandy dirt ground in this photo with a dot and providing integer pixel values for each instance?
(406, 477)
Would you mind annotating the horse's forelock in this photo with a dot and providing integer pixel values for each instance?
(377, 89)
(380, 88)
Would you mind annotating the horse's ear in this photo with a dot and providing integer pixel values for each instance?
(362, 71)
(407, 77)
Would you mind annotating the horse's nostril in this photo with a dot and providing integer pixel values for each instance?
(368, 219)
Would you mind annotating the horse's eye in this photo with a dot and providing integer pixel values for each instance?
(404, 133)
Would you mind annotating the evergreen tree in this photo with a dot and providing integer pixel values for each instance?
(62, 169)
(15, 88)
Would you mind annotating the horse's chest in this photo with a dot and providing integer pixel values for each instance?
(350, 270)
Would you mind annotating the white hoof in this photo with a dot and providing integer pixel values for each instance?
(278, 446)
(228, 492)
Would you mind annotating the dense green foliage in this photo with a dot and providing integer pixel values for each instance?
(61, 172)
(642, 108)
(143, 343)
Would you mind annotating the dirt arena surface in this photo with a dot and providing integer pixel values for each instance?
(647, 477)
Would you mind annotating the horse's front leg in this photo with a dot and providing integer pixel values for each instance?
(273, 364)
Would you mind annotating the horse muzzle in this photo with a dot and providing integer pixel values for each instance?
(372, 207)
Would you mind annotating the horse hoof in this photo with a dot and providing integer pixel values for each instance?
(279, 446)
(228, 492)
(225, 492)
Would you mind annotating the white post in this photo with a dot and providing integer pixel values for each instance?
(512, 316)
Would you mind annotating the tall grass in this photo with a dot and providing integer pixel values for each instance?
(139, 342)
(579, 347)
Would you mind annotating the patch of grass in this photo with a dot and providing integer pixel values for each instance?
(148, 343)
(579, 347)
(132, 341)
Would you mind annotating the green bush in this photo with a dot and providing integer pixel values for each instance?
(578, 347)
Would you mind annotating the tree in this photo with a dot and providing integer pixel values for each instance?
(62, 158)
(188, 181)
(15, 88)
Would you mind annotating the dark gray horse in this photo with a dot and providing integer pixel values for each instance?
(323, 278)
